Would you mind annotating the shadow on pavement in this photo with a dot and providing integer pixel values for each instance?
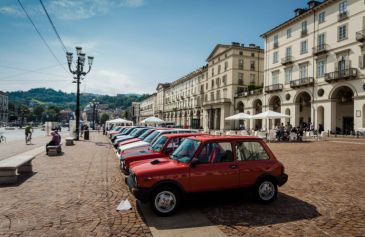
(238, 207)
(21, 179)
(233, 207)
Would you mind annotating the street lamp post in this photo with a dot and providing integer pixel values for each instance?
(78, 72)
(94, 105)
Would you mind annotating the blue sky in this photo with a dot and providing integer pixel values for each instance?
(136, 43)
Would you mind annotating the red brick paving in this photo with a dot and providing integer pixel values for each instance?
(71, 195)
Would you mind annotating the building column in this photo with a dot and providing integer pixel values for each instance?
(359, 110)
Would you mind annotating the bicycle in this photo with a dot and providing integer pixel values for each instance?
(2, 138)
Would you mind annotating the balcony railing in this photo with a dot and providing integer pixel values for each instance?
(276, 45)
(307, 81)
(273, 88)
(242, 94)
(320, 49)
(360, 36)
(304, 33)
(287, 60)
(256, 92)
(342, 16)
(216, 101)
(346, 74)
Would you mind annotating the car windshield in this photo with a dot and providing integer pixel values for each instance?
(127, 131)
(159, 143)
(145, 134)
(185, 152)
(134, 132)
(150, 137)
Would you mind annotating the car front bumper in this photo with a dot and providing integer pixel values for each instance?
(282, 179)
(142, 194)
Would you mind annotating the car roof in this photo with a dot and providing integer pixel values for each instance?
(205, 138)
(177, 135)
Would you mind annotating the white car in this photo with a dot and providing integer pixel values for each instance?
(150, 139)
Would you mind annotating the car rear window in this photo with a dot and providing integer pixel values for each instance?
(152, 136)
(250, 151)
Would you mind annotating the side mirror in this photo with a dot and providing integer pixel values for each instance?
(194, 162)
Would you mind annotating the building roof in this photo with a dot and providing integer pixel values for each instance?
(228, 47)
(190, 75)
(303, 12)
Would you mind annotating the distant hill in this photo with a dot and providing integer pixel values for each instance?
(47, 96)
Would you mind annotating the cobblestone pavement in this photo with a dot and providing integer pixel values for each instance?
(75, 194)
(324, 195)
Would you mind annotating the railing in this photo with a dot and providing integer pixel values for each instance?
(287, 60)
(350, 73)
(342, 16)
(307, 81)
(242, 94)
(256, 92)
(273, 88)
(276, 45)
(304, 33)
(320, 49)
(360, 35)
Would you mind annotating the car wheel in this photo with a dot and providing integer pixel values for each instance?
(266, 191)
(165, 201)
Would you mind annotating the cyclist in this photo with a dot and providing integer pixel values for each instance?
(28, 134)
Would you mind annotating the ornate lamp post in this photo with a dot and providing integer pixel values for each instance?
(78, 72)
(94, 104)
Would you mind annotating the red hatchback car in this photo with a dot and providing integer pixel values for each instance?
(162, 148)
(207, 163)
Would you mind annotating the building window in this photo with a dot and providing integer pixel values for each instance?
(240, 78)
(252, 54)
(224, 79)
(342, 7)
(303, 47)
(303, 71)
(240, 64)
(219, 69)
(225, 55)
(275, 57)
(321, 41)
(241, 53)
(224, 93)
(288, 33)
(275, 78)
(321, 17)
(218, 81)
(212, 96)
(321, 67)
(225, 66)
(304, 26)
(218, 96)
(288, 75)
(342, 32)
(206, 86)
(213, 71)
(252, 65)
(276, 41)
(288, 52)
(252, 79)
(213, 83)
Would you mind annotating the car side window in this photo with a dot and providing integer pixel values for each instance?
(173, 144)
(216, 153)
(250, 151)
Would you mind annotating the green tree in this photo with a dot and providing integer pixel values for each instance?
(38, 111)
(103, 118)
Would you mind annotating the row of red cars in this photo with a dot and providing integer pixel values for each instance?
(179, 162)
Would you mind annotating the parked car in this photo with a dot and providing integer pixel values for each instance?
(163, 147)
(134, 134)
(137, 139)
(207, 163)
(114, 131)
(143, 145)
(125, 131)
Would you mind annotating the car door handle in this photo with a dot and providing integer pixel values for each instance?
(233, 166)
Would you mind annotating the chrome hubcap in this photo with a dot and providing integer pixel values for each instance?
(266, 190)
(165, 201)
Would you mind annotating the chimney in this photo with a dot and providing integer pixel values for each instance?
(252, 45)
(242, 45)
(235, 43)
(299, 11)
(312, 4)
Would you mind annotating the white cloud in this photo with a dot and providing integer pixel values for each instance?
(76, 10)
(111, 82)
(10, 10)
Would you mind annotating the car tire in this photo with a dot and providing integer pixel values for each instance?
(165, 201)
(266, 191)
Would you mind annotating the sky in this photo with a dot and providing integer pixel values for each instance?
(136, 43)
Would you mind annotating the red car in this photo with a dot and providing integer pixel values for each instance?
(163, 147)
(207, 163)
